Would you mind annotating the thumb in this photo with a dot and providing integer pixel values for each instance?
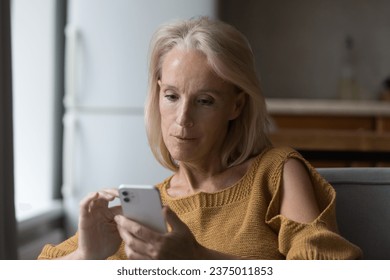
(173, 220)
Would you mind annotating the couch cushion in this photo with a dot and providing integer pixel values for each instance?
(363, 207)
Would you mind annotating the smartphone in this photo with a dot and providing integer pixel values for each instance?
(142, 203)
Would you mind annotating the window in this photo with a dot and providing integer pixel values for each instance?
(37, 96)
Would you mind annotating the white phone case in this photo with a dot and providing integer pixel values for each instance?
(142, 203)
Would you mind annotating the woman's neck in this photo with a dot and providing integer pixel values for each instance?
(193, 178)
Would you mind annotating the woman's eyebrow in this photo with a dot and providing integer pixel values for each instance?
(168, 86)
(209, 90)
(202, 90)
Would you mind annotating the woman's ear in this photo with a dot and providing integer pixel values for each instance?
(239, 103)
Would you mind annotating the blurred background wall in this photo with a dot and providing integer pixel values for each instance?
(300, 45)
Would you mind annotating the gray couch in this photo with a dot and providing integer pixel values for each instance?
(363, 207)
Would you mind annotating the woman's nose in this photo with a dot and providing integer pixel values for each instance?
(184, 115)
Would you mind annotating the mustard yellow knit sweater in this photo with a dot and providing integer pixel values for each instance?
(244, 220)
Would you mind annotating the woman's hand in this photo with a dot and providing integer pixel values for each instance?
(98, 234)
(144, 243)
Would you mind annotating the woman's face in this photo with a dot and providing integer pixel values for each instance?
(195, 106)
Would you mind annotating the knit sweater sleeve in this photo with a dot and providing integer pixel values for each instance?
(318, 239)
(68, 246)
(50, 251)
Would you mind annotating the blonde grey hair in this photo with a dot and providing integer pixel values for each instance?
(230, 56)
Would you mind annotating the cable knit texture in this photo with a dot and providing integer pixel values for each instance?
(244, 220)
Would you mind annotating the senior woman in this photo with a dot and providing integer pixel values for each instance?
(232, 195)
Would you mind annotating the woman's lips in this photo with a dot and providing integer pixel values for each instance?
(185, 138)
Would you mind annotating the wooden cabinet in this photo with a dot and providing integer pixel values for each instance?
(333, 132)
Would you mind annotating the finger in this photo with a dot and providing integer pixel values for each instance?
(85, 203)
(112, 191)
(173, 220)
(133, 255)
(136, 246)
(101, 200)
(94, 199)
(133, 243)
(108, 194)
(136, 229)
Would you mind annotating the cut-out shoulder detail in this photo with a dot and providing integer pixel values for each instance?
(298, 202)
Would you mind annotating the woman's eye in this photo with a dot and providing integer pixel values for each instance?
(170, 96)
(205, 101)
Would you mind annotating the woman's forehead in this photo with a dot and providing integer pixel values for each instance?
(182, 66)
